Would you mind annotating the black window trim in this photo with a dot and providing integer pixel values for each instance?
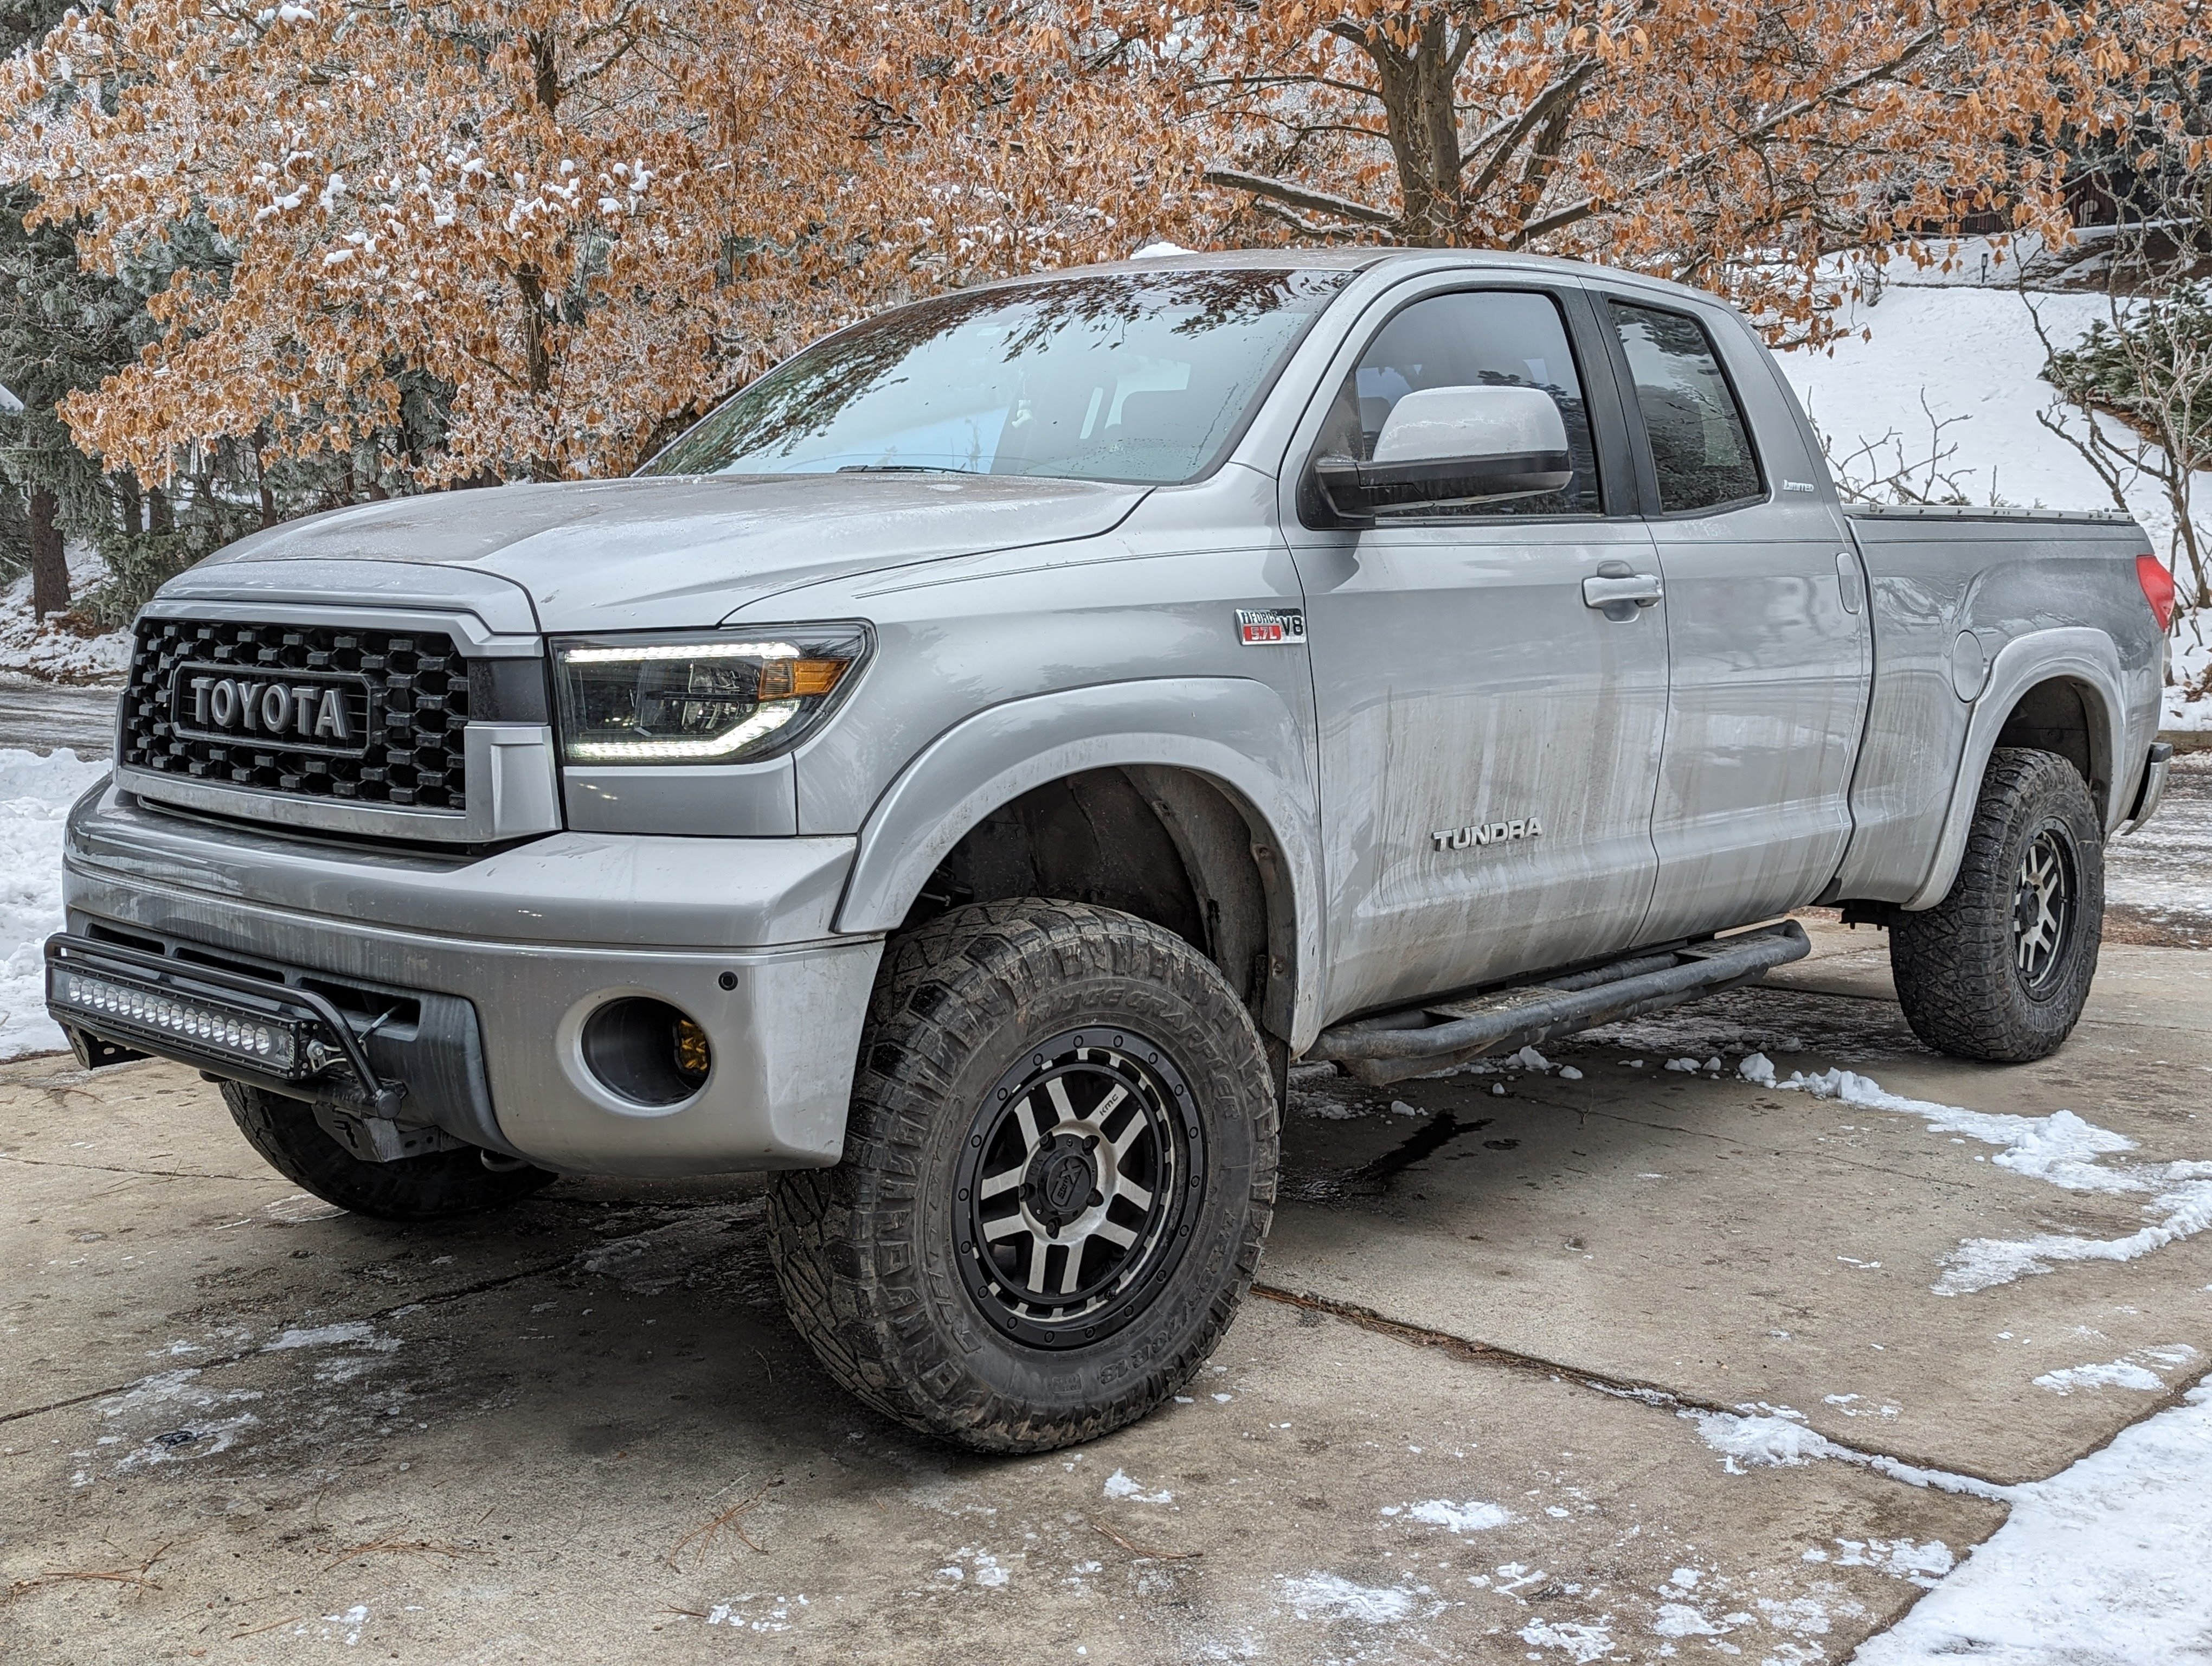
(1611, 440)
(1647, 471)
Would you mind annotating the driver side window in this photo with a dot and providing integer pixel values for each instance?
(1486, 338)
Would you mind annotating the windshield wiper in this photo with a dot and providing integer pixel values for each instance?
(899, 468)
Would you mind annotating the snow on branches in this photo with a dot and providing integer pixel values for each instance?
(573, 222)
(499, 239)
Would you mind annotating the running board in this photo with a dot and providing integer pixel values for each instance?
(1437, 1036)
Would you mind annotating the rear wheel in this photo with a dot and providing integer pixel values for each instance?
(1059, 1167)
(2000, 969)
(447, 1182)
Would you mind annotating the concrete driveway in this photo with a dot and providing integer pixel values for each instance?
(1633, 1364)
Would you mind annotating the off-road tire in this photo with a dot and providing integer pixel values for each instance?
(1957, 970)
(447, 1182)
(870, 1253)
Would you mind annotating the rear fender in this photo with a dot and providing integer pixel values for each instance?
(2076, 654)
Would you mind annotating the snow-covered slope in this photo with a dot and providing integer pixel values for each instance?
(35, 794)
(50, 650)
(1971, 353)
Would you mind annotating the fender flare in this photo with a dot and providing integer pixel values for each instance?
(2074, 653)
(1238, 731)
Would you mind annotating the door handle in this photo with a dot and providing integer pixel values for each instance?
(1643, 589)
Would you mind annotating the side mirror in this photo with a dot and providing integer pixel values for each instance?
(1445, 447)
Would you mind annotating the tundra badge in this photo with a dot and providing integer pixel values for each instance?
(1459, 838)
(1270, 627)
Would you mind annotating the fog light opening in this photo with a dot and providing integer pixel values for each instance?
(646, 1051)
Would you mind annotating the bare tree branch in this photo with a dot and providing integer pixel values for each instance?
(1587, 206)
(1298, 197)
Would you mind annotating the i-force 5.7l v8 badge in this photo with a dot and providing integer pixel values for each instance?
(1270, 627)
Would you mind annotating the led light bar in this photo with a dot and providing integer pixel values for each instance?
(271, 1044)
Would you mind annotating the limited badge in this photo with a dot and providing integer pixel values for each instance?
(1270, 627)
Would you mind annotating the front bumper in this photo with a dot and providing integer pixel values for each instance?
(508, 955)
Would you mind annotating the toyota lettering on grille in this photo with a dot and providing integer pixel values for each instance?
(300, 711)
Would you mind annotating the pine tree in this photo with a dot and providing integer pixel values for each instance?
(62, 328)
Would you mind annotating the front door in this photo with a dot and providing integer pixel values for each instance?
(1490, 741)
(1767, 626)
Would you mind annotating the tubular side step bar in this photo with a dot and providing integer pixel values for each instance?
(1413, 1042)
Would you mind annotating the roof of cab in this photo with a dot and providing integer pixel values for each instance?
(1359, 260)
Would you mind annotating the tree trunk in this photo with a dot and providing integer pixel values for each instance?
(159, 518)
(50, 586)
(1413, 76)
(132, 502)
(537, 358)
(545, 66)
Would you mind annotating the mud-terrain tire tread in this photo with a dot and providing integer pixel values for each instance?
(1953, 963)
(851, 1245)
(447, 1182)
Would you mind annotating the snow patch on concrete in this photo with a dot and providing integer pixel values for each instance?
(1119, 1485)
(1473, 1517)
(353, 1333)
(1768, 1438)
(1331, 1596)
(1580, 1641)
(2061, 1149)
(2131, 1372)
(2098, 1556)
(1922, 1565)
(1763, 1437)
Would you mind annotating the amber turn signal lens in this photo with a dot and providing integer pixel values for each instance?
(794, 680)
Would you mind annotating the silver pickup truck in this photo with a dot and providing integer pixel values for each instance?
(968, 769)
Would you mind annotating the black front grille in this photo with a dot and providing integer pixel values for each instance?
(405, 695)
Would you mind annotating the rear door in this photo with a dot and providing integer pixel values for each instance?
(1489, 742)
(1766, 623)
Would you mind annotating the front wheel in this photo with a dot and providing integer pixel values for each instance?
(2000, 969)
(1059, 1167)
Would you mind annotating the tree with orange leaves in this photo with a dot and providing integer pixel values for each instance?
(470, 240)
(561, 227)
(1731, 143)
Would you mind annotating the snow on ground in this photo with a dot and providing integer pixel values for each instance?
(52, 651)
(1972, 354)
(35, 794)
(2097, 1564)
(2061, 1149)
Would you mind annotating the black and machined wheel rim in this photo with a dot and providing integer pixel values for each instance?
(2046, 903)
(1078, 1182)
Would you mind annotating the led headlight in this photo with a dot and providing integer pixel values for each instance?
(700, 698)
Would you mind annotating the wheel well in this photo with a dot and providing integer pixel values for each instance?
(2063, 717)
(1167, 845)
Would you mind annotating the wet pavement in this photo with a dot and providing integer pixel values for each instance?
(1637, 1362)
(2158, 883)
(41, 716)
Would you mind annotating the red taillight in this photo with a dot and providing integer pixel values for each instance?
(2157, 587)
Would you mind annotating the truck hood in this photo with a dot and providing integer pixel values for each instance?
(646, 553)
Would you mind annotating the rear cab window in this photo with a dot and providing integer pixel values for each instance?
(1701, 449)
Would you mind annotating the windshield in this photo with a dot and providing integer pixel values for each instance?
(1136, 376)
